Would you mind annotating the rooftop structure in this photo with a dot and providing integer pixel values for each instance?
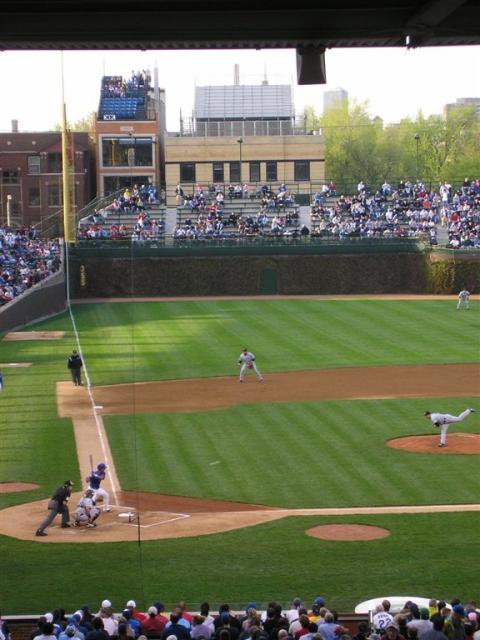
(244, 102)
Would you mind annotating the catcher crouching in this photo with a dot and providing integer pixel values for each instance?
(86, 512)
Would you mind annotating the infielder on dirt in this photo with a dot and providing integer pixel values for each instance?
(246, 360)
(94, 480)
(442, 420)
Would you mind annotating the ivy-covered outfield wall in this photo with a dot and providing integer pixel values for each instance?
(415, 273)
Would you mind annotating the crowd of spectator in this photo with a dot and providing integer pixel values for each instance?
(144, 229)
(460, 214)
(118, 87)
(209, 216)
(25, 260)
(407, 210)
(438, 621)
(107, 223)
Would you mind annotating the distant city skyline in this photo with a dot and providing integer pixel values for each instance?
(396, 82)
(334, 97)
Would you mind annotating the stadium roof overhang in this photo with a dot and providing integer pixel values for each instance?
(308, 26)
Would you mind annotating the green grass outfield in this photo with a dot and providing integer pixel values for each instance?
(288, 454)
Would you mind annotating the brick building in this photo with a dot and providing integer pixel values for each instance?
(31, 175)
(129, 132)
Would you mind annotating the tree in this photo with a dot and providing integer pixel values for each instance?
(431, 149)
(87, 123)
(353, 144)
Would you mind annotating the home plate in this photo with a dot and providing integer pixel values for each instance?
(127, 516)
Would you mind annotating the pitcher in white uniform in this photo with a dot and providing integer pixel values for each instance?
(442, 420)
(246, 360)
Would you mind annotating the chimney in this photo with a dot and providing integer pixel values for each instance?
(265, 79)
(236, 74)
(14, 126)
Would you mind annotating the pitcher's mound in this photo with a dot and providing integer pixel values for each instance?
(12, 487)
(464, 443)
(348, 532)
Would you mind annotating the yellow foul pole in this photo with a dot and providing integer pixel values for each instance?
(68, 227)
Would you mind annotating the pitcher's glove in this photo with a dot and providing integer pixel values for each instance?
(436, 424)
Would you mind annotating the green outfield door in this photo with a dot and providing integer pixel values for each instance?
(268, 282)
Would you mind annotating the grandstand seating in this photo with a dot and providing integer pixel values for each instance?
(123, 100)
(121, 224)
(243, 209)
(331, 220)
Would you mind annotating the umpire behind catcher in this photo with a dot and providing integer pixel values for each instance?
(58, 503)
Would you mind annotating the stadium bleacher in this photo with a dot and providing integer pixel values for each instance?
(123, 99)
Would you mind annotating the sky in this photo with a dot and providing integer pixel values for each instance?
(395, 82)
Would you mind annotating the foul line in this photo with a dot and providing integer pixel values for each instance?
(98, 421)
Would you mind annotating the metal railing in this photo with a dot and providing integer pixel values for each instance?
(271, 243)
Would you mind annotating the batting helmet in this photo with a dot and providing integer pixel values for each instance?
(102, 465)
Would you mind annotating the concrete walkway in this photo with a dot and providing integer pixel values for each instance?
(304, 213)
(170, 221)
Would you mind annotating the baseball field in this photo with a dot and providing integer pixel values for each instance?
(232, 482)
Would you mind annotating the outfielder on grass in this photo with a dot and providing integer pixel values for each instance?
(246, 360)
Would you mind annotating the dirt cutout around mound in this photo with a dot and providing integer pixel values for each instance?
(155, 516)
(462, 443)
(14, 487)
(347, 532)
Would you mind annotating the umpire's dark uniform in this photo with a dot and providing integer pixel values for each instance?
(75, 365)
(58, 504)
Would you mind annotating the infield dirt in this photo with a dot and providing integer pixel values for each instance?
(174, 517)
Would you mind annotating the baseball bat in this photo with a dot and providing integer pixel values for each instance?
(91, 463)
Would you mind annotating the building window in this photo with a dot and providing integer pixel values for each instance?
(53, 195)
(271, 168)
(234, 171)
(218, 172)
(114, 183)
(127, 152)
(34, 196)
(254, 171)
(10, 177)
(33, 165)
(302, 170)
(54, 163)
(187, 172)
